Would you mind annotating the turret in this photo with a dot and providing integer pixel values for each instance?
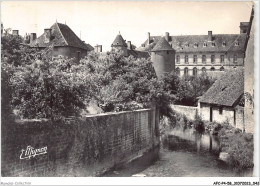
(120, 44)
(163, 57)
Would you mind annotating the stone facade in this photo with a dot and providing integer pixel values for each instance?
(249, 81)
(188, 111)
(213, 62)
(163, 61)
(233, 115)
(70, 52)
(212, 53)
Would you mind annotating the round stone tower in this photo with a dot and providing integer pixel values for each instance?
(120, 44)
(163, 57)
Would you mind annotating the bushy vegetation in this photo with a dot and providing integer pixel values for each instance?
(239, 146)
(198, 123)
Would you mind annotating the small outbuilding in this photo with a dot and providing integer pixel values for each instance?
(224, 100)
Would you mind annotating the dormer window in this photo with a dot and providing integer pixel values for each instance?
(224, 44)
(236, 43)
(204, 44)
(196, 45)
(213, 44)
(187, 45)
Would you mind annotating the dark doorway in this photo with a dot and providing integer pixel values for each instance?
(78, 56)
(234, 117)
(210, 116)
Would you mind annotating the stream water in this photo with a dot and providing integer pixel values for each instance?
(182, 153)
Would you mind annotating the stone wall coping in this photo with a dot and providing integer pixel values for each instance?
(86, 116)
(184, 106)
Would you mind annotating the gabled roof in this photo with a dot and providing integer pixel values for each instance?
(119, 41)
(162, 45)
(61, 35)
(195, 43)
(227, 90)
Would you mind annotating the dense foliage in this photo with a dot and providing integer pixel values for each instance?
(239, 146)
(45, 87)
(191, 88)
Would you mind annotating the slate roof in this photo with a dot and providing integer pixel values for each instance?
(162, 45)
(119, 41)
(61, 35)
(227, 90)
(195, 43)
(138, 54)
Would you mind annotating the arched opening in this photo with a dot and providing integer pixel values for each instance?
(203, 70)
(221, 69)
(212, 69)
(186, 71)
(177, 71)
(195, 71)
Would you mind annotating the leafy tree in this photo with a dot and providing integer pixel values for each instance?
(48, 89)
(15, 51)
(190, 88)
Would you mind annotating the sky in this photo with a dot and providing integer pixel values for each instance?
(98, 22)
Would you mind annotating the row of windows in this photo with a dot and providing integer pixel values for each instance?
(205, 44)
(212, 58)
(195, 70)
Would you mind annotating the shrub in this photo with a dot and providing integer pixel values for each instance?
(238, 145)
(241, 150)
(198, 123)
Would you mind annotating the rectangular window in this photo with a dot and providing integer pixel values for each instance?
(222, 58)
(212, 59)
(177, 59)
(235, 58)
(203, 58)
(195, 59)
(186, 59)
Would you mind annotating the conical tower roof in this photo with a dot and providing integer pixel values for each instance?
(162, 45)
(119, 41)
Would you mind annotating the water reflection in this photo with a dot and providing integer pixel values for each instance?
(190, 140)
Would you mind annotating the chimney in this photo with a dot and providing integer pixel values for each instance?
(32, 37)
(47, 32)
(16, 32)
(210, 36)
(129, 46)
(244, 26)
(98, 48)
(167, 36)
(148, 39)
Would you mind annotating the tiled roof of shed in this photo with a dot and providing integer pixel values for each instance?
(162, 45)
(200, 43)
(227, 89)
(61, 35)
(119, 41)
